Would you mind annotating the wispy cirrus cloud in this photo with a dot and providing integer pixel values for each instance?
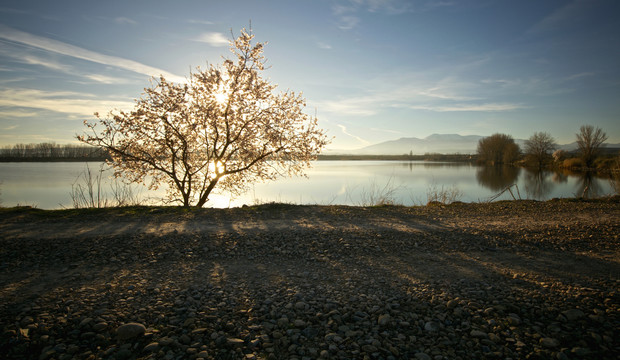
(46, 63)
(483, 107)
(323, 45)
(392, 7)
(346, 132)
(61, 101)
(580, 75)
(104, 79)
(59, 47)
(562, 17)
(349, 13)
(17, 113)
(348, 22)
(214, 39)
(125, 20)
(200, 22)
(444, 95)
(12, 10)
(29, 59)
(357, 106)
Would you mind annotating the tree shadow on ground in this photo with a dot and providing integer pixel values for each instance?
(385, 284)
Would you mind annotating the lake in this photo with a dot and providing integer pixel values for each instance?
(49, 185)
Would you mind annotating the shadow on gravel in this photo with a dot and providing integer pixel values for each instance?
(339, 283)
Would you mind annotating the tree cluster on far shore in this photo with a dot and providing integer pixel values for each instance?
(50, 151)
(541, 151)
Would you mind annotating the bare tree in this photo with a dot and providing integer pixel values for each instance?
(590, 140)
(225, 127)
(538, 148)
(498, 149)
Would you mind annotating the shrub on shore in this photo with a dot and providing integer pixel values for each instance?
(572, 163)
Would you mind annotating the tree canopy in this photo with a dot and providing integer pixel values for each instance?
(224, 127)
(498, 149)
(538, 148)
(590, 140)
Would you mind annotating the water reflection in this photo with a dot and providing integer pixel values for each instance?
(560, 177)
(413, 165)
(48, 185)
(588, 186)
(537, 185)
(497, 178)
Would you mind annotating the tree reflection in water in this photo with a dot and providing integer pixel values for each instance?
(587, 186)
(537, 186)
(497, 178)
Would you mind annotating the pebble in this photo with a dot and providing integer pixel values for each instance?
(422, 356)
(549, 342)
(383, 320)
(100, 326)
(130, 331)
(152, 347)
(478, 334)
(573, 314)
(431, 326)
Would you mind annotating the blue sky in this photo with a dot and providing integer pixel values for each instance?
(373, 70)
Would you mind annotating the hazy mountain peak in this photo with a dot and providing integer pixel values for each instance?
(435, 143)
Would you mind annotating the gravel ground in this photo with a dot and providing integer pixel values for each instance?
(521, 279)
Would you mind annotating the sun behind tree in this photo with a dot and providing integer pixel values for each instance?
(225, 127)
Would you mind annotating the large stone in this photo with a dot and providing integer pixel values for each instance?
(573, 314)
(98, 327)
(234, 342)
(431, 326)
(451, 304)
(130, 331)
(549, 342)
(478, 334)
(422, 356)
(299, 323)
(383, 320)
(152, 347)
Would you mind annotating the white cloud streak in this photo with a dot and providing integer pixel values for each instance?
(18, 113)
(323, 45)
(580, 75)
(104, 79)
(349, 14)
(214, 39)
(352, 106)
(348, 22)
(490, 107)
(344, 131)
(562, 17)
(66, 69)
(62, 102)
(59, 47)
(446, 95)
(200, 22)
(33, 60)
(124, 20)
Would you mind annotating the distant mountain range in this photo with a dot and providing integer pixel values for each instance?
(436, 143)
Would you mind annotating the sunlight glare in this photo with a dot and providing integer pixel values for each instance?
(221, 98)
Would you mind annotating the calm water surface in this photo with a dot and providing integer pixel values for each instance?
(48, 185)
